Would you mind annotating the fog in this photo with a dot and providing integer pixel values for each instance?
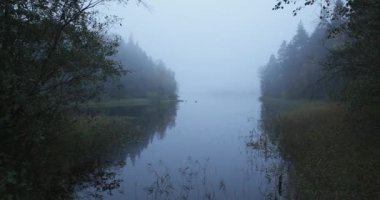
(217, 105)
(213, 46)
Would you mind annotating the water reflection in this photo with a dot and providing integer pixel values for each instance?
(150, 122)
(84, 163)
(262, 143)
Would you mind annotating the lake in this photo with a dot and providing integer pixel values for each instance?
(208, 148)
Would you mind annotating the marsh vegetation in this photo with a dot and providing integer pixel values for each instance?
(329, 153)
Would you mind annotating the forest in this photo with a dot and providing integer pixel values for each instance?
(145, 78)
(337, 61)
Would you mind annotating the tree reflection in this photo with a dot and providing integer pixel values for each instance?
(86, 162)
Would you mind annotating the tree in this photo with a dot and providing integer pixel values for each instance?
(53, 54)
(271, 78)
(292, 67)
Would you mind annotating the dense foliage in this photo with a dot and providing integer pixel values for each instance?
(145, 79)
(54, 55)
(358, 60)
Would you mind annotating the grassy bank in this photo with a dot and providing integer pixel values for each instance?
(121, 103)
(332, 155)
(130, 102)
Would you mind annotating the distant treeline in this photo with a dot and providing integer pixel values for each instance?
(145, 77)
(338, 60)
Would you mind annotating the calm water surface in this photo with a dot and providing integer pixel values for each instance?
(202, 155)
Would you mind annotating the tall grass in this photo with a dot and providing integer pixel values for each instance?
(332, 155)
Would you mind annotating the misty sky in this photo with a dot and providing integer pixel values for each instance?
(212, 45)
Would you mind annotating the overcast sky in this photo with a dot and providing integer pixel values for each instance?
(212, 45)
